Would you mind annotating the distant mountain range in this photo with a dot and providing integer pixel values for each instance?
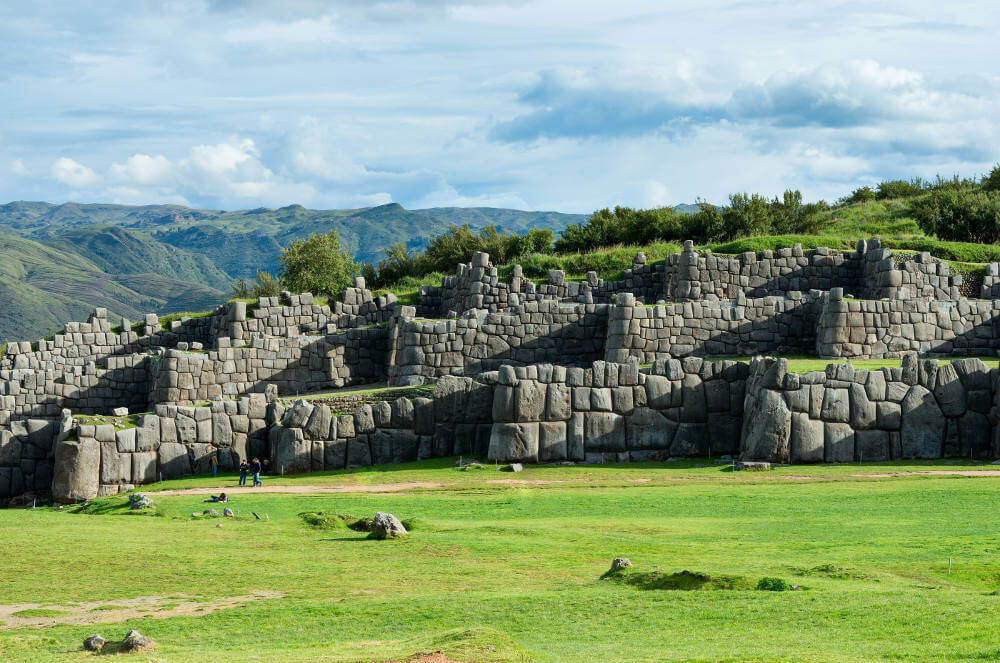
(59, 261)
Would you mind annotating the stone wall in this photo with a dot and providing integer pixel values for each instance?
(615, 413)
(91, 460)
(917, 410)
(743, 326)
(693, 276)
(296, 364)
(174, 442)
(455, 422)
(888, 328)
(536, 331)
(26, 454)
(84, 389)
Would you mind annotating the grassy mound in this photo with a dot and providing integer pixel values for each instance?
(323, 520)
(685, 581)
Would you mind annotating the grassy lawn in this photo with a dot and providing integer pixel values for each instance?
(501, 571)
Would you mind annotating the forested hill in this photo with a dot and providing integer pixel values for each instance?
(59, 261)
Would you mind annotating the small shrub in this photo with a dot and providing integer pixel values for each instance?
(772, 584)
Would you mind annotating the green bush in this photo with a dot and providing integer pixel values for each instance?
(900, 189)
(772, 584)
(961, 214)
(992, 181)
(862, 194)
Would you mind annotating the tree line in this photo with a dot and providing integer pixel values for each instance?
(956, 209)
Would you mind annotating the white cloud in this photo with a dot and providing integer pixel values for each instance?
(74, 174)
(143, 169)
(17, 167)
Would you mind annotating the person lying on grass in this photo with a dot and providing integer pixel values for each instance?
(218, 498)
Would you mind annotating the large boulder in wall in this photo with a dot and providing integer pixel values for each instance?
(292, 453)
(514, 443)
(767, 428)
(806, 444)
(76, 476)
(646, 428)
(922, 430)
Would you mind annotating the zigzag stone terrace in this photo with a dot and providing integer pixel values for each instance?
(589, 371)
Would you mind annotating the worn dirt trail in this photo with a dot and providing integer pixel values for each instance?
(411, 485)
(118, 610)
(239, 490)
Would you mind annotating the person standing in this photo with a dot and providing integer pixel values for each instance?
(213, 461)
(244, 468)
(255, 468)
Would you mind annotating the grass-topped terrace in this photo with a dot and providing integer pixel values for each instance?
(806, 363)
(507, 567)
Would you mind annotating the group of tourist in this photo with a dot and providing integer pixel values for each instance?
(252, 468)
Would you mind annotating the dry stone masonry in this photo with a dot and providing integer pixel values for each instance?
(570, 370)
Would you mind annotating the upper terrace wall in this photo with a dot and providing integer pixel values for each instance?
(298, 364)
(721, 328)
(890, 327)
(536, 331)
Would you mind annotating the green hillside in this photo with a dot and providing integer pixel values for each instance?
(62, 260)
(43, 287)
(119, 251)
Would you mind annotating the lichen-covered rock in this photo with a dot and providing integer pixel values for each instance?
(135, 642)
(94, 643)
(387, 526)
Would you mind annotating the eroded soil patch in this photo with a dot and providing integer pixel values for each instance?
(19, 615)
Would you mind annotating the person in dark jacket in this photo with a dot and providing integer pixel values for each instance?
(213, 461)
(255, 468)
(244, 468)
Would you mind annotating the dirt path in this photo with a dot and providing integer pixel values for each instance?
(238, 490)
(951, 473)
(118, 610)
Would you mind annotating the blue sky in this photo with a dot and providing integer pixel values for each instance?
(537, 105)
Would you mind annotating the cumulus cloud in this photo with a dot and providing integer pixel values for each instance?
(17, 167)
(548, 104)
(570, 105)
(73, 173)
(849, 94)
(144, 169)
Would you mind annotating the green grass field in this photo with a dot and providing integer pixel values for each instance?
(507, 567)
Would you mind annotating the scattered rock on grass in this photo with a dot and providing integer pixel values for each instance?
(94, 643)
(387, 526)
(620, 563)
(138, 502)
(228, 513)
(135, 642)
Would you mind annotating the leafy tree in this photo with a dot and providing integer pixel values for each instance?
(992, 181)
(960, 215)
(319, 264)
(899, 189)
(862, 194)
